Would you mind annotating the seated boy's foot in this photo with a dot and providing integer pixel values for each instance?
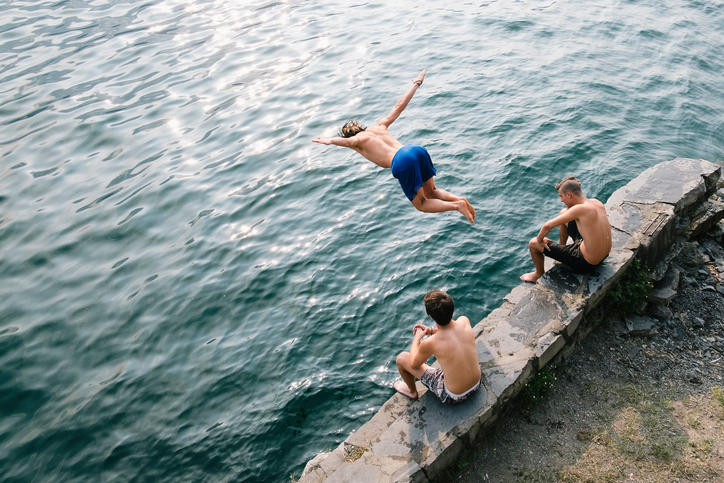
(531, 277)
(401, 387)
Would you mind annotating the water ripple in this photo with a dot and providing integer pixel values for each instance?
(191, 290)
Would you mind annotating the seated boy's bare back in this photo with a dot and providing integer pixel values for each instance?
(455, 351)
(452, 342)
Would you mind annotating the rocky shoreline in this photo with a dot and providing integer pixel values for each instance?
(670, 356)
(654, 220)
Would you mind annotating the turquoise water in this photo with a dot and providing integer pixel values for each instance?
(190, 290)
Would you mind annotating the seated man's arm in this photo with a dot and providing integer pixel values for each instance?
(420, 351)
(346, 142)
(402, 103)
(562, 219)
(563, 239)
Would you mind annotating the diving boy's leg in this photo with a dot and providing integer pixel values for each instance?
(431, 191)
(536, 253)
(434, 205)
(409, 374)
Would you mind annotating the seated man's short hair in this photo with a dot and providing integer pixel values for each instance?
(570, 184)
(440, 306)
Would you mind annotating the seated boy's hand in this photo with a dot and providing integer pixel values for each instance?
(427, 330)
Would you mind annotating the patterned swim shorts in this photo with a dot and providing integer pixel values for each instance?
(434, 380)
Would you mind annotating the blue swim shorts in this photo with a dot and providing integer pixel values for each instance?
(412, 166)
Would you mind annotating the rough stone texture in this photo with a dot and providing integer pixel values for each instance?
(712, 213)
(639, 325)
(413, 441)
(717, 233)
(665, 289)
(547, 347)
(660, 312)
(680, 183)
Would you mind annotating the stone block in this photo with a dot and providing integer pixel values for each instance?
(717, 232)
(576, 307)
(539, 309)
(651, 227)
(507, 380)
(359, 472)
(714, 249)
(492, 320)
(640, 325)
(619, 327)
(428, 432)
(670, 280)
(713, 213)
(312, 472)
(334, 459)
(547, 347)
(390, 411)
(502, 342)
(661, 296)
(518, 293)
(681, 183)
(410, 473)
(561, 279)
(661, 312)
(606, 274)
(488, 350)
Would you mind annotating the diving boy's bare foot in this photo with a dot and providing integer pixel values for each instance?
(530, 277)
(470, 207)
(402, 388)
(463, 209)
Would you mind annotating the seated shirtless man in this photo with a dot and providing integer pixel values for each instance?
(585, 221)
(452, 343)
(410, 164)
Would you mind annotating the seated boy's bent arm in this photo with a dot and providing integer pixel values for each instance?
(420, 353)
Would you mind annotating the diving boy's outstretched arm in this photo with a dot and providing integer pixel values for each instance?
(346, 142)
(402, 103)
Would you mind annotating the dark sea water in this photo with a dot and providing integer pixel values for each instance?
(190, 290)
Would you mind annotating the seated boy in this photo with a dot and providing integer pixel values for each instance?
(452, 343)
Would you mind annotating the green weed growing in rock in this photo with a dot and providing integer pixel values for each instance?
(627, 294)
(718, 394)
(538, 386)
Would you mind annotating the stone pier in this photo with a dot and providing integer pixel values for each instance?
(414, 441)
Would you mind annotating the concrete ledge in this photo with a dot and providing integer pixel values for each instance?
(414, 441)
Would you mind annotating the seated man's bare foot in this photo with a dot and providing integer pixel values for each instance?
(530, 277)
(402, 388)
(463, 209)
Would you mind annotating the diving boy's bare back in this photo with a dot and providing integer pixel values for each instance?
(410, 164)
